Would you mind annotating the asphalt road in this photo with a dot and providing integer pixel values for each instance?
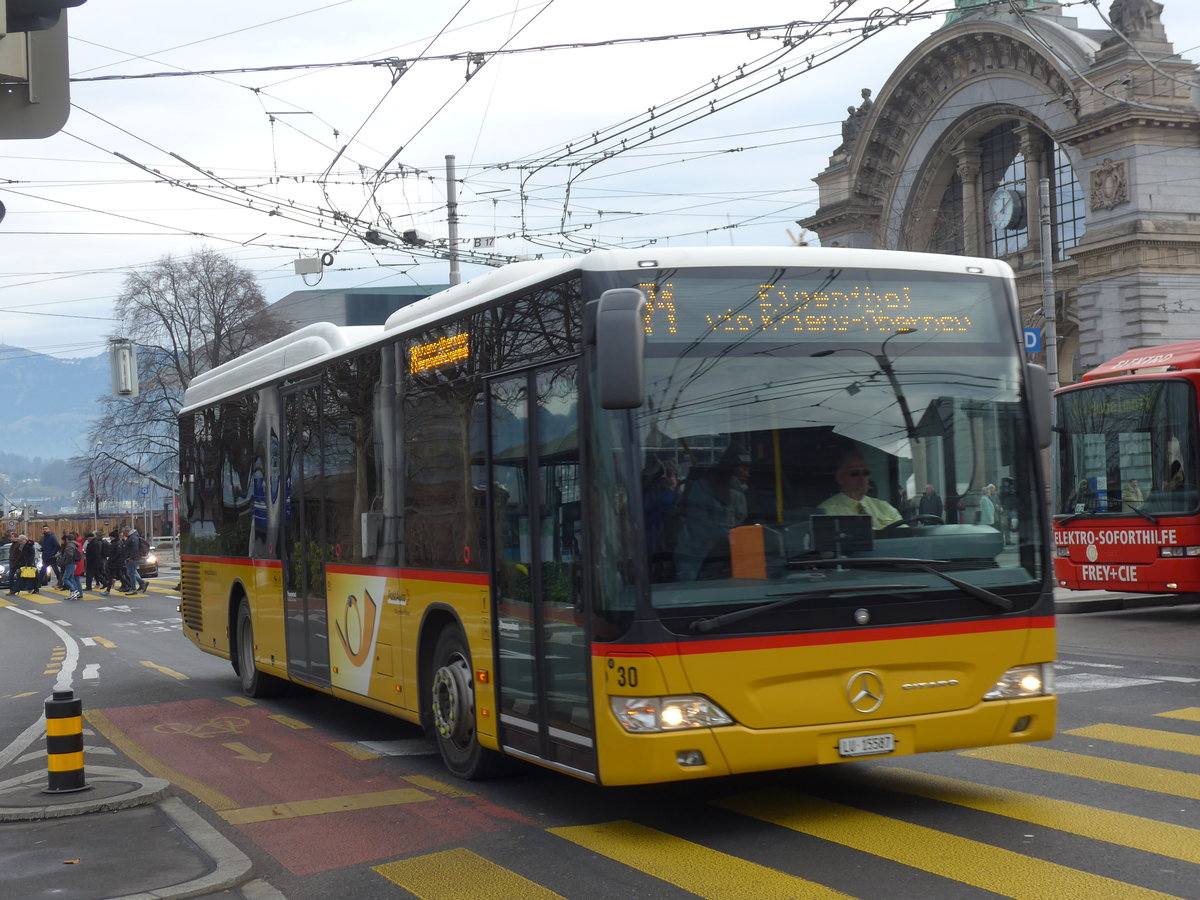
(329, 800)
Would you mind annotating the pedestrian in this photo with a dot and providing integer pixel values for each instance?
(930, 503)
(116, 562)
(71, 559)
(24, 567)
(50, 547)
(987, 507)
(14, 551)
(133, 555)
(95, 556)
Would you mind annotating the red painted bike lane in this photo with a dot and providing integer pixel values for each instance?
(288, 787)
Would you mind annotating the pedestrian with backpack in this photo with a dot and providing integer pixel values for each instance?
(70, 556)
(133, 553)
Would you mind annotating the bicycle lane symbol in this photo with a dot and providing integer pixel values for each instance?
(215, 727)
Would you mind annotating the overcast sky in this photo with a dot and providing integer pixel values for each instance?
(550, 141)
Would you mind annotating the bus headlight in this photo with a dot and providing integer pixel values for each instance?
(1023, 681)
(653, 714)
(1178, 552)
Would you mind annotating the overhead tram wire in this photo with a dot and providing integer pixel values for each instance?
(604, 148)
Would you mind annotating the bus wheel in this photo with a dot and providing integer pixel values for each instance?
(254, 682)
(452, 708)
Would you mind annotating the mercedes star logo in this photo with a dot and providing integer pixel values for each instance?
(864, 690)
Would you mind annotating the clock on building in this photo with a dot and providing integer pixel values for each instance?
(1007, 209)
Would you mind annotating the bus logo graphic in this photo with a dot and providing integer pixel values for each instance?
(864, 690)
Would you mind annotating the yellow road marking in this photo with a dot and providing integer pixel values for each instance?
(703, 871)
(460, 874)
(432, 784)
(1142, 737)
(353, 750)
(43, 599)
(241, 751)
(240, 701)
(1109, 771)
(24, 695)
(989, 868)
(156, 667)
(300, 808)
(1192, 714)
(1117, 828)
(104, 642)
(288, 722)
(202, 792)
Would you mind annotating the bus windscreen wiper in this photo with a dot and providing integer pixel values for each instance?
(1142, 512)
(712, 623)
(921, 565)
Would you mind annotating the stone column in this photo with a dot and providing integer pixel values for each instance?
(967, 157)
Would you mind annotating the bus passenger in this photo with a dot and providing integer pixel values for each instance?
(712, 505)
(1083, 498)
(1132, 495)
(854, 478)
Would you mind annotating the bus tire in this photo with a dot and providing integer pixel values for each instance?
(254, 682)
(452, 710)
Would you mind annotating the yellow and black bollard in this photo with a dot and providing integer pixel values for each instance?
(64, 743)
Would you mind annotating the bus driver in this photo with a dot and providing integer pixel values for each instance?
(854, 478)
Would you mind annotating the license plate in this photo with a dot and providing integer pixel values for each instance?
(867, 745)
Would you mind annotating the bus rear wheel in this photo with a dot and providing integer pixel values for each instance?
(452, 710)
(254, 682)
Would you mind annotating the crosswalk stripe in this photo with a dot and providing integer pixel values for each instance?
(1141, 737)
(1109, 771)
(1122, 829)
(989, 868)
(703, 871)
(459, 874)
(1191, 714)
(43, 599)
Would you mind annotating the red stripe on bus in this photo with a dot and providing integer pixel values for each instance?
(473, 578)
(718, 644)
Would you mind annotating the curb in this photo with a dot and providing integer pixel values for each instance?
(1101, 601)
(145, 790)
(232, 865)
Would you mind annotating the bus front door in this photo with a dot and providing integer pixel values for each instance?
(543, 645)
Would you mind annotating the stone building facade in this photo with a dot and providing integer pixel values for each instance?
(949, 155)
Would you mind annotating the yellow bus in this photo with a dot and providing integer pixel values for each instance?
(642, 515)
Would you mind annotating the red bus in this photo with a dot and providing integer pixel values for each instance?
(1127, 495)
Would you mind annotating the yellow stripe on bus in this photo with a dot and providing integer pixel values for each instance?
(960, 859)
(1142, 737)
(460, 874)
(1109, 771)
(1122, 829)
(700, 870)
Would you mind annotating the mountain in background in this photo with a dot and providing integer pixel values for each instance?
(48, 404)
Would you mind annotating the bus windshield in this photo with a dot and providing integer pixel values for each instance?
(1127, 447)
(834, 435)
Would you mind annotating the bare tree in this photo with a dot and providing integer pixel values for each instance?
(186, 316)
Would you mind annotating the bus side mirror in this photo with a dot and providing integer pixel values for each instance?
(620, 339)
(1037, 383)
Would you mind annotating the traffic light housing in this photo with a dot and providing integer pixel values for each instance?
(34, 15)
(34, 91)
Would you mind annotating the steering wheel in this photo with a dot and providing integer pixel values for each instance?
(926, 518)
